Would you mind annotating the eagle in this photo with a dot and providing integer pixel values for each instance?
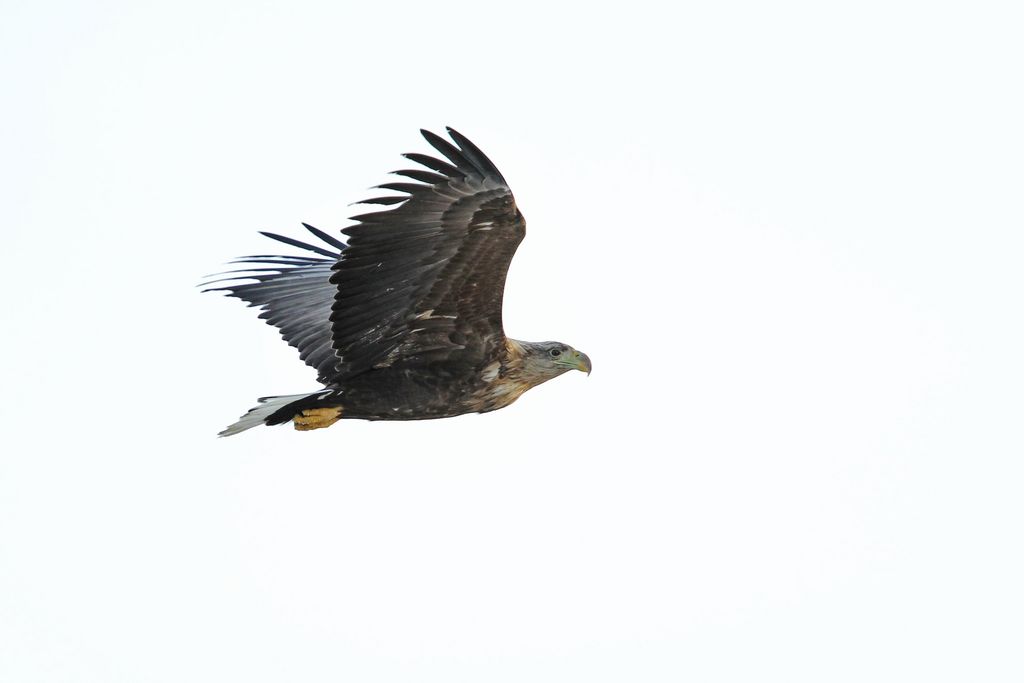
(403, 320)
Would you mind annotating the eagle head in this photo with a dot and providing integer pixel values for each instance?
(542, 361)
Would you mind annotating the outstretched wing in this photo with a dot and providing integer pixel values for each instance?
(295, 295)
(423, 281)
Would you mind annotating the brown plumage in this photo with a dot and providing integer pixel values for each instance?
(404, 321)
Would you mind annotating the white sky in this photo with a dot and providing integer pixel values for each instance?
(789, 236)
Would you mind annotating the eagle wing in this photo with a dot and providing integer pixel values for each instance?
(423, 281)
(294, 294)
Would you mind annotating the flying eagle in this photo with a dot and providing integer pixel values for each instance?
(404, 321)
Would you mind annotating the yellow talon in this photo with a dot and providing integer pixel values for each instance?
(316, 418)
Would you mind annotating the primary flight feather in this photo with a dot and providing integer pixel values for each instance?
(403, 322)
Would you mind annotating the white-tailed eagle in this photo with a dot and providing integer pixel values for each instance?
(403, 322)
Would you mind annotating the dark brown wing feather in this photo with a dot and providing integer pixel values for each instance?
(423, 282)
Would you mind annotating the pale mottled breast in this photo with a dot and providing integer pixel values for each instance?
(500, 392)
(502, 381)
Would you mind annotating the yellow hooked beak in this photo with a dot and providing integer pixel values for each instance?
(582, 362)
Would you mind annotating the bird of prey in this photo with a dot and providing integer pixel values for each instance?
(403, 322)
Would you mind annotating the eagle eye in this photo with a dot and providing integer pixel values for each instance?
(555, 353)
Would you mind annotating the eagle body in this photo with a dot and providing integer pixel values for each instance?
(402, 392)
(404, 321)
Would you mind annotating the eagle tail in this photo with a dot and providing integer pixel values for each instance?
(270, 410)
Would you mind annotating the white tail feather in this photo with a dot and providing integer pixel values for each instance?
(267, 407)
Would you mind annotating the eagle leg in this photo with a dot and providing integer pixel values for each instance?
(316, 418)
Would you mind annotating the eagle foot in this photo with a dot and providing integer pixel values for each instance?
(316, 418)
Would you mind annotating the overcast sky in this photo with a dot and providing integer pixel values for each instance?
(789, 235)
